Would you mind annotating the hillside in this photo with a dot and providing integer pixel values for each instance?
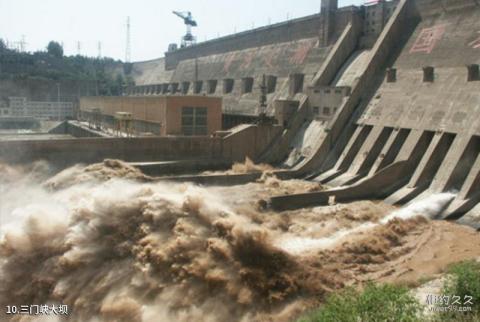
(52, 65)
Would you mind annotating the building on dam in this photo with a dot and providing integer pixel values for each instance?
(161, 115)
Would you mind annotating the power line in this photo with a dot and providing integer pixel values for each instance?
(19, 46)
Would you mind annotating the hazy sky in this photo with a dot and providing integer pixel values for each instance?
(153, 26)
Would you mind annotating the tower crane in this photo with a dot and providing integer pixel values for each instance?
(188, 39)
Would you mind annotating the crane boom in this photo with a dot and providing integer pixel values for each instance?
(188, 39)
(180, 14)
(187, 17)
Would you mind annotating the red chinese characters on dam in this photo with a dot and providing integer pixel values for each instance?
(247, 59)
(298, 57)
(269, 57)
(301, 53)
(428, 39)
(476, 43)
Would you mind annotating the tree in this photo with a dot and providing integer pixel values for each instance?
(2, 49)
(55, 49)
(130, 81)
(127, 68)
(3, 46)
(115, 86)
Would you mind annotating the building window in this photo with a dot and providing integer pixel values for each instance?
(228, 85)
(391, 75)
(174, 87)
(296, 83)
(212, 86)
(185, 87)
(164, 88)
(473, 73)
(247, 85)
(194, 121)
(338, 91)
(428, 74)
(271, 84)
(198, 87)
(316, 110)
(326, 110)
(327, 91)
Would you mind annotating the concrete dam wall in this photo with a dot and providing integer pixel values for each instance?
(227, 74)
(414, 130)
(233, 66)
(406, 126)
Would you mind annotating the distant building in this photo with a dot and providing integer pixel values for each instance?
(20, 106)
(17, 106)
(4, 111)
(161, 115)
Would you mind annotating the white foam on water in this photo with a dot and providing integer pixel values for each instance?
(297, 245)
(428, 207)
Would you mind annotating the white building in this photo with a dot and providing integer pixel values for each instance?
(20, 106)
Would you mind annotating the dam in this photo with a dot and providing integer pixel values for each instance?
(276, 143)
(363, 103)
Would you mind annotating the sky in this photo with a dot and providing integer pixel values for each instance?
(153, 26)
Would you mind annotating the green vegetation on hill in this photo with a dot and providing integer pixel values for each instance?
(462, 286)
(53, 65)
(384, 302)
(376, 303)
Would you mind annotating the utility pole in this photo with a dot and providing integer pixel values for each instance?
(262, 115)
(263, 96)
(58, 101)
(99, 47)
(22, 44)
(79, 48)
(96, 81)
(128, 49)
(196, 70)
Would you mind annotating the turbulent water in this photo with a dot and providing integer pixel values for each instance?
(115, 246)
(118, 250)
(428, 208)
